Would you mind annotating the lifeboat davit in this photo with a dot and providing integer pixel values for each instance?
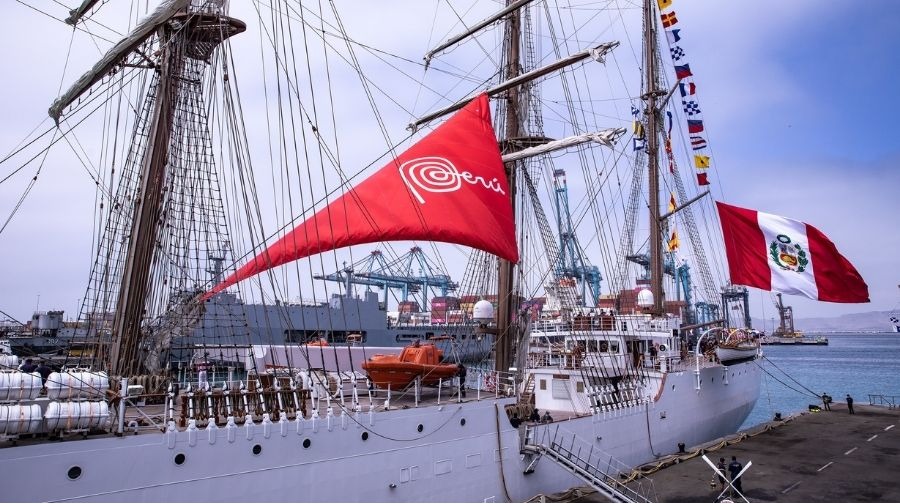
(415, 360)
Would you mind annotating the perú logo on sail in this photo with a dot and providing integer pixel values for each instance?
(439, 175)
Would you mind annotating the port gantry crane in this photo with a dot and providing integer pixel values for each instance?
(572, 264)
(411, 273)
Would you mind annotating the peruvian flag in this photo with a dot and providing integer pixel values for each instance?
(784, 255)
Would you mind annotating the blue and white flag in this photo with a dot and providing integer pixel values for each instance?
(691, 107)
(673, 36)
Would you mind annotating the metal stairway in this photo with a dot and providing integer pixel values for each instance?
(595, 467)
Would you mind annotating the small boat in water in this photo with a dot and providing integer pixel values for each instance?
(739, 345)
(415, 361)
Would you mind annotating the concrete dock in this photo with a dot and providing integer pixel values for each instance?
(829, 456)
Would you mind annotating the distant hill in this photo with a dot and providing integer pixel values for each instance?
(875, 321)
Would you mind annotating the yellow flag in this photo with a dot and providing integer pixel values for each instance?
(701, 161)
(638, 129)
(673, 243)
(672, 203)
(664, 4)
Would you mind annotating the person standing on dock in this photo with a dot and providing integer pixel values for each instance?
(722, 469)
(850, 404)
(826, 401)
(734, 468)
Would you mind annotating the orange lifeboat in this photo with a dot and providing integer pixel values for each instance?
(398, 371)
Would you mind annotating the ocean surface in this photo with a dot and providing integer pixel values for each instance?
(855, 364)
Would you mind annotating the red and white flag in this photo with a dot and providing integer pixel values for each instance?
(784, 255)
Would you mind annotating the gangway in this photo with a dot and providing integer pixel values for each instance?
(595, 467)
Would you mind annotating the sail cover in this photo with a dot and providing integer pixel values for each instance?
(448, 187)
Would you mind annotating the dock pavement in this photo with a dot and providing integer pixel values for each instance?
(826, 456)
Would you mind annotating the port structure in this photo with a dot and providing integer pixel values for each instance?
(411, 273)
(572, 264)
(682, 276)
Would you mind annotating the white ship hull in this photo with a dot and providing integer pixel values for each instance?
(447, 461)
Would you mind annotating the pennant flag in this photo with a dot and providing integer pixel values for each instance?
(638, 128)
(671, 164)
(673, 243)
(701, 161)
(677, 53)
(669, 115)
(668, 19)
(673, 35)
(450, 187)
(635, 111)
(778, 254)
(672, 203)
(687, 88)
(668, 146)
(702, 179)
(691, 107)
(695, 126)
(698, 142)
(664, 4)
(639, 143)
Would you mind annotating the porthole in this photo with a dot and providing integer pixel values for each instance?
(420, 428)
(365, 436)
(257, 449)
(462, 422)
(713, 379)
(179, 459)
(673, 387)
(74, 473)
(306, 443)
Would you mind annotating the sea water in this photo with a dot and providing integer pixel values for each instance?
(796, 376)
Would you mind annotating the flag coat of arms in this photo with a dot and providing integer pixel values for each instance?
(784, 255)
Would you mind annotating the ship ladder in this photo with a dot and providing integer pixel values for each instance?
(599, 470)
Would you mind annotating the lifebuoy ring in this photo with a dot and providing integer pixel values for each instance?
(662, 348)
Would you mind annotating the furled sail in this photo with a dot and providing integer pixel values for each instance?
(448, 187)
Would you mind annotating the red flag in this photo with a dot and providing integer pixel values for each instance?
(668, 19)
(702, 179)
(450, 187)
(784, 255)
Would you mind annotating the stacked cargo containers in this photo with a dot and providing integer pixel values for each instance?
(439, 307)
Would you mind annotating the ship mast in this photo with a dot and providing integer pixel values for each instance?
(505, 331)
(649, 97)
(193, 34)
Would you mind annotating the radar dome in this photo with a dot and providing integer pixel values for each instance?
(483, 310)
(645, 298)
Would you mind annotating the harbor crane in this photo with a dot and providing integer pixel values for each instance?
(572, 264)
(411, 273)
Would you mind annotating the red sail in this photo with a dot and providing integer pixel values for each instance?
(449, 187)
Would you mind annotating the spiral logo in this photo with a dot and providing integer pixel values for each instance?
(439, 175)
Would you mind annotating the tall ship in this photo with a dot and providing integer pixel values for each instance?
(585, 377)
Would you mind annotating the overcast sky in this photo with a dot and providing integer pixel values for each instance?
(797, 100)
